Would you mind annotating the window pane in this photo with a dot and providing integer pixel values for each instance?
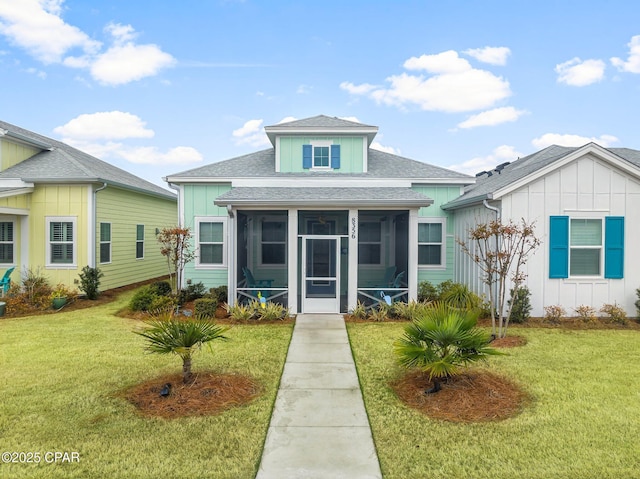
(585, 262)
(6, 253)
(273, 254)
(139, 249)
(274, 231)
(429, 254)
(430, 233)
(61, 231)
(139, 232)
(211, 232)
(369, 254)
(6, 231)
(105, 252)
(211, 254)
(321, 156)
(370, 232)
(105, 232)
(586, 232)
(62, 253)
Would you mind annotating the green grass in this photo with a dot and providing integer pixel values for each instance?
(584, 421)
(60, 380)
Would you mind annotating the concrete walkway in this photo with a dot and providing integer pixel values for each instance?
(319, 428)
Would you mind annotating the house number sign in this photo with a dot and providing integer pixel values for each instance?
(354, 227)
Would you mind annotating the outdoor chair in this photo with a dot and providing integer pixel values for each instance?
(5, 282)
(394, 290)
(253, 283)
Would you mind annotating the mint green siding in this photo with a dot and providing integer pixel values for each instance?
(440, 195)
(351, 152)
(124, 210)
(198, 201)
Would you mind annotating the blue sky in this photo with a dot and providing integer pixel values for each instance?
(158, 87)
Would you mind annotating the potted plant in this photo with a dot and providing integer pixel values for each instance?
(59, 296)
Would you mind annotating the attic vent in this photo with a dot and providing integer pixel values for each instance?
(488, 173)
(501, 166)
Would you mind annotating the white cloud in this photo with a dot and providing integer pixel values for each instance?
(96, 134)
(251, 134)
(387, 149)
(454, 86)
(150, 155)
(499, 155)
(37, 27)
(492, 117)
(576, 72)
(304, 89)
(549, 139)
(632, 65)
(491, 55)
(106, 125)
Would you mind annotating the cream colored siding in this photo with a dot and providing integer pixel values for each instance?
(13, 153)
(124, 210)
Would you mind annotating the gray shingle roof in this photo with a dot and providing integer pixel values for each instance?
(262, 164)
(486, 185)
(324, 196)
(320, 121)
(64, 163)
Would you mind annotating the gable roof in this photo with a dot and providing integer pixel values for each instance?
(321, 124)
(262, 164)
(59, 162)
(532, 166)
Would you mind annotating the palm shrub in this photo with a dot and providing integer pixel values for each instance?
(167, 334)
(442, 342)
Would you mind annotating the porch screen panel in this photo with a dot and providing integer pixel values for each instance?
(211, 243)
(274, 242)
(369, 247)
(6, 242)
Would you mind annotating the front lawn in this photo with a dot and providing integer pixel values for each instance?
(61, 383)
(583, 422)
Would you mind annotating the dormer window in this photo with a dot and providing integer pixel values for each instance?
(321, 155)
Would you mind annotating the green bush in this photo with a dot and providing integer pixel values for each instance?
(143, 299)
(427, 292)
(89, 281)
(192, 292)
(360, 311)
(161, 303)
(521, 309)
(460, 296)
(271, 312)
(637, 303)
(220, 293)
(205, 307)
(161, 288)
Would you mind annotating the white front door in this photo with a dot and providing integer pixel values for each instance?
(320, 274)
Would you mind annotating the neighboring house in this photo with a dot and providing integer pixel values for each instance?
(320, 220)
(585, 203)
(62, 209)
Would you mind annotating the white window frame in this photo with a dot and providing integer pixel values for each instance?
(442, 244)
(321, 143)
(104, 242)
(140, 241)
(225, 240)
(273, 219)
(593, 247)
(382, 244)
(12, 242)
(61, 219)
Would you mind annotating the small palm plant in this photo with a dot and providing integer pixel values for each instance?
(168, 334)
(442, 341)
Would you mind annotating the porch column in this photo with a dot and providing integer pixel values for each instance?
(412, 268)
(352, 293)
(292, 260)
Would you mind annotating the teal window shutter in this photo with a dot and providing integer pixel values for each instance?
(559, 247)
(307, 155)
(614, 247)
(335, 157)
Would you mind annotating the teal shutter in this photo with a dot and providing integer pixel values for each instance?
(559, 247)
(335, 157)
(614, 247)
(307, 155)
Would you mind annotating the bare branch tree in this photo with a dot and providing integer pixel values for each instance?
(175, 245)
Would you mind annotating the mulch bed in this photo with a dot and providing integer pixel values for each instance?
(475, 396)
(508, 342)
(208, 394)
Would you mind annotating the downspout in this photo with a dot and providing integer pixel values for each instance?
(231, 258)
(92, 232)
(492, 208)
(494, 293)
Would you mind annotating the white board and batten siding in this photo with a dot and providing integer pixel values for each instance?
(585, 188)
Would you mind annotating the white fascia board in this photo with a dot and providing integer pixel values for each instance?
(320, 181)
(590, 148)
(327, 204)
(15, 183)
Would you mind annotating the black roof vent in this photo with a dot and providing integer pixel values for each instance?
(501, 166)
